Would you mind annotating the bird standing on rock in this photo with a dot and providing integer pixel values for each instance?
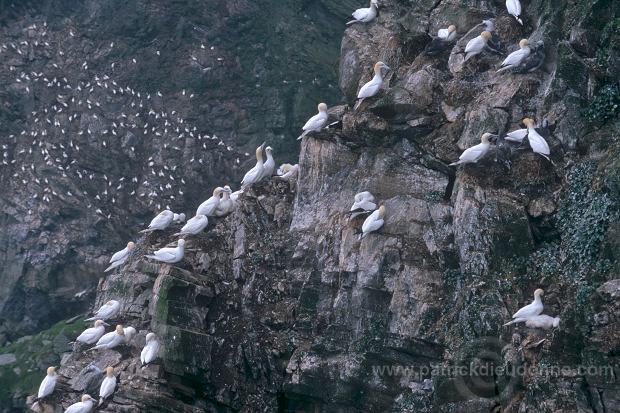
(208, 207)
(373, 222)
(444, 38)
(476, 45)
(194, 226)
(254, 175)
(169, 255)
(226, 204)
(269, 167)
(160, 222)
(476, 152)
(365, 14)
(149, 352)
(91, 335)
(108, 385)
(372, 87)
(363, 203)
(534, 61)
(48, 384)
(315, 123)
(533, 309)
(84, 406)
(111, 340)
(515, 58)
(120, 257)
(106, 311)
(537, 142)
(543, 321)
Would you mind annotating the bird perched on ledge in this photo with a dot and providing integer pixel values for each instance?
(372, 87)
(444, 38)
(365, 14)
(533, 309)
(476, 45)
(373, 222)
(315, 123)
(517, 57)
(476, 152)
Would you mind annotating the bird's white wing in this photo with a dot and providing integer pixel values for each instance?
(538, 143)
(314, 123)
(47, 386)
(208, 206)
(516, 136)
(107, 387)
(365, 205)
(106, 339)
(166, 253)
(473, 154)
(360, 14)
(252, 175)
(369, 222)
(372, 226)
(149, 352)
(475, 45)
(516, 57)
(159, 221)
(194, 225)
(119, 255)
(443, 33)
(90, 335)
(528, 311)
(105, 311)
(78, 407)
(513, 7)
(369, 89)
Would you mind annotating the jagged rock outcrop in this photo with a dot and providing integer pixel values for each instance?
(281, 307)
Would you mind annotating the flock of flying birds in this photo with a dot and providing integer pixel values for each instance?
(224, 200)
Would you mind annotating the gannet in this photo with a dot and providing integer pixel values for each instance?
(48, 384)
(516, 135)
(112, 339)
(371, 88)
(226, 204)
(476, 152)
(149, 352)
(534, 61)
(287, 171)
(130, 332)
(543, 321)
(170, 255)
(107, 311)
(363, 203)
(161, 221)
(444, 38)
(194, 226)
(537, 142)
(254, 175)
(365, 14)
(179, 218)
(515, 58)
(514, 9)
(315, 123)
(121, 256)
(92, 334)
(373, 222)
(108, 385)
(269, 166)
(530, 310)
(235, 196)
(208, 207)
(477, 44)
(84, 406)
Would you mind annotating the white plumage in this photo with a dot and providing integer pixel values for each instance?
(476, 152)
(537, 142)
(106, 311)
(317, 122)
(476, 45)
(447, 34)
(161, 221)
(226, 205)
(269, 167)
(48, 384)
(373, 222)
(107, 385)
(84, 406)
(362, 203)
(287, 171)
(365, 14)
(170, 255)
(208, 207)
(543, 321)
(194, 226)
(515, 58)
(514, 9)
(533, 309)
(120, 257)
(516, 135)
(149, 352)
(254, 175)
(371, 88)
(112, 339)
(92, 334)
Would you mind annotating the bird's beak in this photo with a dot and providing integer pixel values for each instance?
(386, 67)
(263, 145)
(106, 324)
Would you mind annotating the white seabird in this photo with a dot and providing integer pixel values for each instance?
(84, 406)
(179, 218)
(287, 171)
(208, 207)
(537, 142)
(170, 255)
(107, 385)
(194, 226)
(315, 123)
(373, 222)
(476, 152)
(149, 352)
(363, 203)
(120, 257)
(533, 309)
(447, 34)
(161, 221)
(93, 334)
(107, 311)
(515, 58)
(269, 166)
(476, 45)
(48, 384)
(254, 175)
(365, 14)
(543, 321)
(111, 340)
(235, 196)
(516, 135)
(226, 205)
(444, 38)
(372, 87)
(514, 9)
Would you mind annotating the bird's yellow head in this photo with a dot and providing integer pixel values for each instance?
(379, 66)
(218, 191)
(119, 330)
(486, 137)
(322, 107)
(528, 122)
(109, 371)
(98, 323)
(131, 245)
(382, 211)
(109, 303)
(51, 370)
(486, 35)
(451, 28)
(523, 43)
(86, 398)
(150, 336)
(539, 292)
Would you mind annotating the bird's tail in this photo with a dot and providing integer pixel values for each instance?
(358, 103)
(302, 135)
(113, 265)
(516, 320)
(178, 234)
(100, 401)
(519, 20)
(351, 22)
(455, 163)
(467, 56)
(502, 69)
(91, 319)
(145, 230)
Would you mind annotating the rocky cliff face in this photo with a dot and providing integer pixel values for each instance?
(280, 306)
